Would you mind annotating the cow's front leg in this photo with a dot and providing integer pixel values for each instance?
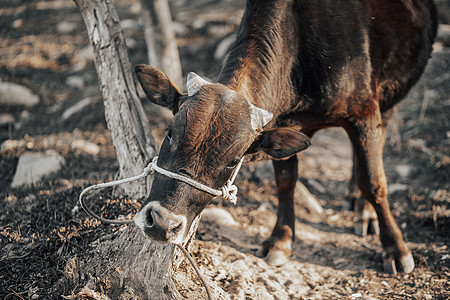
(368, 138)
(278, 248)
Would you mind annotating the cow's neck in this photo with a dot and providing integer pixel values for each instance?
(260, 63)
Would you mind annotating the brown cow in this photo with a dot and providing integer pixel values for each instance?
(296, 67)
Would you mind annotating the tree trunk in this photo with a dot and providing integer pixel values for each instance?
(140, 264)
(161, 44)
(123, 111)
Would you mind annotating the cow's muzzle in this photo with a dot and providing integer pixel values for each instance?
(160, 224)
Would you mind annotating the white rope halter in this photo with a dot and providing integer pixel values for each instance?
(228, 191)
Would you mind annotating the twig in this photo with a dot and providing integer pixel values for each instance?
(364, 244)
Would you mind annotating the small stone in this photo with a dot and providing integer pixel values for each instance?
(6, 119)
(129, 25)
(85, 53)
(25, 115)
(15, 94)
(66, 27)
(10, 145)
(397, 187)
(404, 170)
(198, 24)
(85, 147)
(32, 166)
(178, 28)
(135, 8)
(131, 43)
(17, 23)
(218, 216)
(75, 81)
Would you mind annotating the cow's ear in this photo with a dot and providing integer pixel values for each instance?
(158, 87)
(280, 142)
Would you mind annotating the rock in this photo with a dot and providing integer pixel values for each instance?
(66, 27)
(131, 43)
(135, 8)
(25, 116)
(178, 28)
(6, 119)
(10, 145)
(218, 216)
(404, 170)
(17, 23)
(32, 166)
(85, 146)
(85, 53)
(129, 25)
(15, 94)
(397, 187)
(355, 296)
(78, 107)
(198, 24)
(75, 82)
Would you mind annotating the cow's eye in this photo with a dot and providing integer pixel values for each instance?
(233, 163)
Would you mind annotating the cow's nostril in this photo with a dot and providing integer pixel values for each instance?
(149, 218)
(176, 229)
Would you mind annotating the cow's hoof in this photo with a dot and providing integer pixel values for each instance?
(277, 257)
(406, 263)
(278, 248)
(389, 266)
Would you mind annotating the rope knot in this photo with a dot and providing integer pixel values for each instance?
(149, 169)
(229, 192)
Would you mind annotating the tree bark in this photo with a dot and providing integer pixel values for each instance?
(160, 39)
(124, 114)
(141, 265)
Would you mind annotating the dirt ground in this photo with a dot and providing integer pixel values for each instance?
(43, 45)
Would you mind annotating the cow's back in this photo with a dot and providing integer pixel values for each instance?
(353, 55)
(402, 34)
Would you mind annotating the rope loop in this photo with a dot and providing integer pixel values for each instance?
(229, 192)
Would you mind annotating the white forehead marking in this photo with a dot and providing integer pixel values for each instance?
(194, 83)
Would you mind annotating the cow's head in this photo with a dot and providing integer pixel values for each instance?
(212, 129)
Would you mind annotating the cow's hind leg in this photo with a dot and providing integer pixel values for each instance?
(367, 222)
(368, 138)
(278, 248)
